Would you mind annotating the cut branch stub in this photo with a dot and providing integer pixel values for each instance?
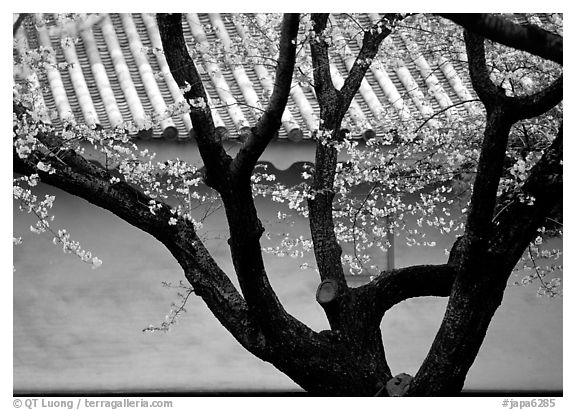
(398, 385)
(327, 292)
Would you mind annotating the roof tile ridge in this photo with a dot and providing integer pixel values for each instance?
(79, 84)
(54, 79)
(390, 91)
(289, 123)
(365, 88)
(216, 75)
(296, 91)
(145, 70)
(154, 35)
(123, 74)
(411, 85)
(457, 84)
(101, 78)
(246, 86)
(435, 88)
(413, 90)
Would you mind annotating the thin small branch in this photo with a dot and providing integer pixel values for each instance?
(242, 104)
(501, 211)
(354, 21)
(173, 315)
(444, 110)
(537, 270)
(555, 221)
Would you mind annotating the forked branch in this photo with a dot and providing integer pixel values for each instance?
(269, 124)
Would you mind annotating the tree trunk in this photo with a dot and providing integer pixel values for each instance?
(339, 366)
(471, 307)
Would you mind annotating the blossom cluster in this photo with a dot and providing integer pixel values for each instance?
(40, 208)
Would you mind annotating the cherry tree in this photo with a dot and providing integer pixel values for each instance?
(500, 160)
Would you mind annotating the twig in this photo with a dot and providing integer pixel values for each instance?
(444, 110)
(537, 270)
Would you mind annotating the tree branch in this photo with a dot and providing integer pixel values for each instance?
(398, 285)
(537, 104)
(326, 247)
(187, 77)
(18, 22)
(373, 37)
(528, 38)
(493, 150)
(488, 92)
(270, 122)
(328, 96)
(289, 344)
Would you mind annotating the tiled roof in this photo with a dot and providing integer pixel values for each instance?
(111, 79)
